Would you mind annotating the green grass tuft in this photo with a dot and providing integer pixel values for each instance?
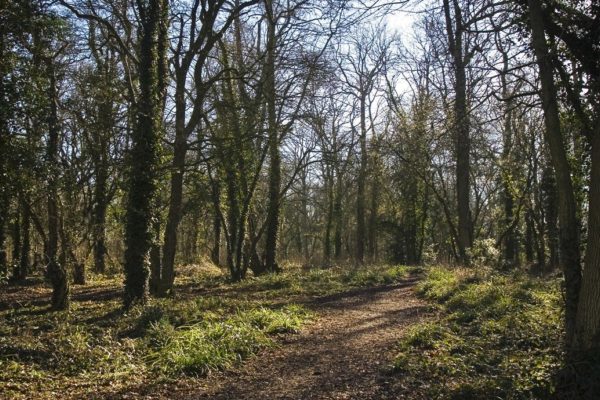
(499, 336)
(211, 345)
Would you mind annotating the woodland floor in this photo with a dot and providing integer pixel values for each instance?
(345, 352)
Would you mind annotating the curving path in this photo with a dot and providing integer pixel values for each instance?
(344, 355)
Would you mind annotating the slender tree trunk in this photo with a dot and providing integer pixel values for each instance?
(462, 140)
(373, 215)
(176, 195)
(99, 215)
(273, 208)
(567, 207)
(25, 240)
(216, 198)
(549, 202)
(338, 218)
(4, 142)
(56, 272)
(16, 242)
(529, 233)
(410, 231)
(361, 184)
(328, 218)
(510, 244)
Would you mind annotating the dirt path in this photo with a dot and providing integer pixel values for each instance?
(344, 355)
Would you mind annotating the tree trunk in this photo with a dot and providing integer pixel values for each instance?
(176, 195)
(361, 184)
(410, 230)
(16, 242)
(337, 218)
(273, 207)
(328, 218)
(25, 240)
(373, 215)
(510, 245)
(568, 224)
(587, 328)
(4, 152)
(99, 215)
(215, 254)
(549, 202)
(56, 272)
(529, 233)
(144, 153)
(461, 128)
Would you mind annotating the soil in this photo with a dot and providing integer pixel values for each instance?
(345, 354)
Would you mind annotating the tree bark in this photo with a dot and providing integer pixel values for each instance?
(99, 213)
(587, 328)
(56, 272)
(549, 202)
(215, 254)
(338, 218)
(568, 224)
(144, 154)
(4, 151)
(510, 245)
(461, 128)
(24, 260)
(274, 206)
(361, 183)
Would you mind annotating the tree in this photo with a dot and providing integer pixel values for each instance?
(145, 151)
(456, 29)
(360, 68)
(569, 226)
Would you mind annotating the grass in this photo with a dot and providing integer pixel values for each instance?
(496, 336)
(319, 282)
(211, 325)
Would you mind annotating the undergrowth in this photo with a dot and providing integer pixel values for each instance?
(497, 336)
(210, 325)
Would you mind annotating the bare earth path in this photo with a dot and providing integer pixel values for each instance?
(344, 355)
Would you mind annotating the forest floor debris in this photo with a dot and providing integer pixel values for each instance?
(190, 343)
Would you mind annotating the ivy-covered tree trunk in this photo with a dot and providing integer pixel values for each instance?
(144, 156)
(4, 142)
(56, 272)
(567, 207)
(215, 254)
